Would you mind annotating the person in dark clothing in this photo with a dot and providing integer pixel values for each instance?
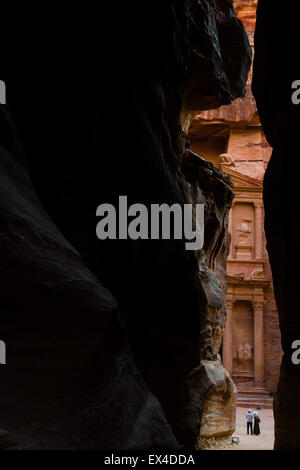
(256, 423)
(249, 417)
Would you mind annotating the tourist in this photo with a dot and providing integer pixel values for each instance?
(256, 423)
(249, 417)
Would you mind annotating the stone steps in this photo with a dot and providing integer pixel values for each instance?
(253, 392)
(254, 402)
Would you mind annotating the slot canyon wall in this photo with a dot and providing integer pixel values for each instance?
(276, 66)
(90, 117)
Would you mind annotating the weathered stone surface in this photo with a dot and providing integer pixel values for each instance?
(71, 380)
(211, 383)
(215, 384)
(246, 12)
(276, 66)
(213, 189)
(242, 111)
(218, 73)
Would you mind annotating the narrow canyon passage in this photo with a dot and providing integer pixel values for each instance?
(134, 343)
(232, 139)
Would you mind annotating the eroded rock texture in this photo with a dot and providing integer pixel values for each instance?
(95, 117)
(217, 40)
(276, 66)
(218, 418)
(210, 383)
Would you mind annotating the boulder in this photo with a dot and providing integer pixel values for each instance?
(219, 394)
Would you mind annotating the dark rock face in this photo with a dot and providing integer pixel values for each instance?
(276, 66)
(70, 378)
(218, 69)
(214, 189)
(212, 389)
(95, 118)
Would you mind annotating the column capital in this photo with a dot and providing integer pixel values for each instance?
(229, 302)
(258, 204)
(258, 304)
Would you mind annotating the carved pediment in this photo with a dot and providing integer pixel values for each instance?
(240, 180)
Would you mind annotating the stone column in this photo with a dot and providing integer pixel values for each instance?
(258, 229)
(230, 231)
(227, 338)
(259, 358)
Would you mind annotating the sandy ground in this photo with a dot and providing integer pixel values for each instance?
(265, 441)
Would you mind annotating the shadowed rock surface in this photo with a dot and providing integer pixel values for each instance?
(276, 66)
(211, 386)
(70, 380)
(96, 117)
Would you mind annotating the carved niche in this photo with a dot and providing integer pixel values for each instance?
(243, 232)
(244, 352)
